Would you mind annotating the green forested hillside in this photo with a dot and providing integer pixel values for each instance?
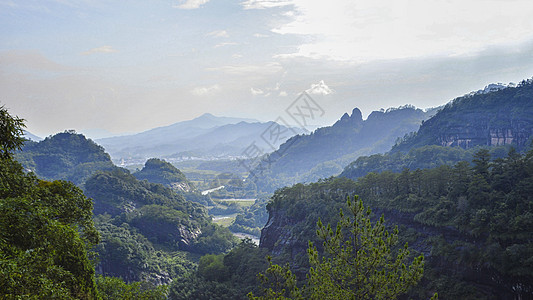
(159, 171)
(481, 215)
(66, 156)
(229, 276)
(500, 117)
(473, 222)
(46, 230)
(425, 157)
(149, 232)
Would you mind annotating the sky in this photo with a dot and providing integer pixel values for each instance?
(115, 67)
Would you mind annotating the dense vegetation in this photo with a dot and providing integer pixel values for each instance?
(467, 209)
(229, 276)
(358, 261)
(150, 232)
(47, 235)
(487, 119)
(159, 171)
(382, 270)
(145, 234)
(482, 217)
(65, 156)
(473, 221)
(425, 157)
(252, 219)
(46, 229)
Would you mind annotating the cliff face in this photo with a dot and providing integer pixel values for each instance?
(281, 237)
(277, 235)
(501, 117)
(481, 131)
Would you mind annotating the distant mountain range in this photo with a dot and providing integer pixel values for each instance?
(30, 136)
(205, 136)
(498, 118)
(325, 152)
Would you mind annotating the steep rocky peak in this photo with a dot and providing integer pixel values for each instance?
(355, 118)
(357, 115)
(345, 117)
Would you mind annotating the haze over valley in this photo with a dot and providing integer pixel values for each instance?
(266, 149)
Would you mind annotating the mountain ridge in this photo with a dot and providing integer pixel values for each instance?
(506, 118)
(327, 150)
(212, 138)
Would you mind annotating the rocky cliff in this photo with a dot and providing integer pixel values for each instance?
(465, 262)
(495, 118)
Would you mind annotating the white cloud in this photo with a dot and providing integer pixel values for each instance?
(391, 29)
(260, 35)
(218, 34)
(236, 55)
(247, 70)
(320, 88)
(205, 91)
(283, 94)
(262, 4)
(103, 49)
(190, 4)
(225, 44)
(256, 92)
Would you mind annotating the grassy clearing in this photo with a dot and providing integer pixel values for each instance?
(240, 203)
(225, 221)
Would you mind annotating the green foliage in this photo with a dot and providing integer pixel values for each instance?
(211, 267)
(358, 262)
(118, 191)
(126, 253)
(296, 210)
(477, 119)
(485, 208)
(252, 219)
(46, 230)
(425, 157)
(66, 156)
(278, 283)
(113, 288)
(161, 224)
(214, 239)
(149, 227)
(228, 276)
(11, 133)
(159, 171)
(361, 265)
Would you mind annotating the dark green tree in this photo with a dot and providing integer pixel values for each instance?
(359, 261)
(11, 133)
(46, 230)
(482, 163)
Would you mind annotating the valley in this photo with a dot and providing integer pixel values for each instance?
(266, 150)
(456, 181)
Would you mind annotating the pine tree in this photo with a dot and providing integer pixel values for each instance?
(359, 262)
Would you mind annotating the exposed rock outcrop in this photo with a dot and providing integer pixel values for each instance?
(492, 118)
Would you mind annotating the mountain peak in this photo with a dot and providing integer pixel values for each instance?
(357, 115)
(355, 118)
(207, 115)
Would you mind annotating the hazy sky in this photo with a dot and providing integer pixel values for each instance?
(127, 66)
